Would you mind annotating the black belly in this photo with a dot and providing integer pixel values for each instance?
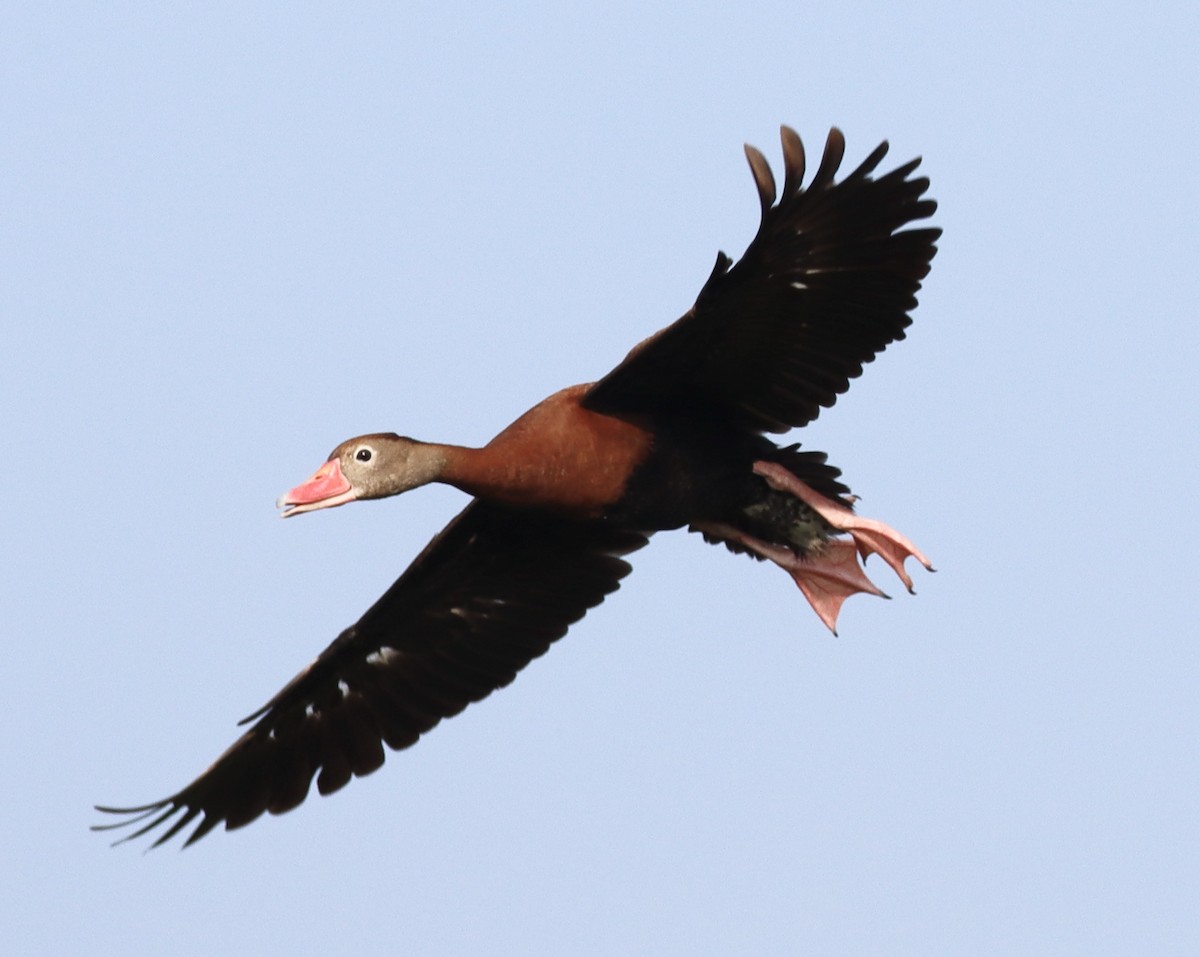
(696, 473)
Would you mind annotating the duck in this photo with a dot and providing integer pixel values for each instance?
(675, 436)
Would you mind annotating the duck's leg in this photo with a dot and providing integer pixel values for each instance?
(827, 576)
(868, 534)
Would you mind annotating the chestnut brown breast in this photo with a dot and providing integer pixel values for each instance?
(558, 456)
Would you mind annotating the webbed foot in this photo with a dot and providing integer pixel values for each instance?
(870, 536)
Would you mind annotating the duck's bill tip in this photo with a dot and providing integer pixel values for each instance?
(290, 507)
(326, 488)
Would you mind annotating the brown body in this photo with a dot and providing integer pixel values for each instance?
(559, 456)
(673, 436)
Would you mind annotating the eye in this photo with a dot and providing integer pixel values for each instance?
(363, 455)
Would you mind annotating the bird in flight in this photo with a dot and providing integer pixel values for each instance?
(673, 437)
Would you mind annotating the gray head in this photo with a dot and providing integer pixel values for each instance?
(369, 466)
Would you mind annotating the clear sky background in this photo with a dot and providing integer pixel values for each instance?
(233, 235)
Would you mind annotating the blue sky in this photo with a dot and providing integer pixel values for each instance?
(233, 237)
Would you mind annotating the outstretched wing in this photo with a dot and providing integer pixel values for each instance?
(826, 284)
(489, 594)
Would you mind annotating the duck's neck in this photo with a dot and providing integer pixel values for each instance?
(486, 474)
(558, 456)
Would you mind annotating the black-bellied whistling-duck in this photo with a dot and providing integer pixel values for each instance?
(672, 437)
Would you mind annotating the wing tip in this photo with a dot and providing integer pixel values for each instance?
(764, 179)
(793, 160)
(159, 812)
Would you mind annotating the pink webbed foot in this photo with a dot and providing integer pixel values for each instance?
(826, 579)
(869, 535)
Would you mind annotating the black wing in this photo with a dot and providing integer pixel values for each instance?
(489, 594)
(826, 284)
